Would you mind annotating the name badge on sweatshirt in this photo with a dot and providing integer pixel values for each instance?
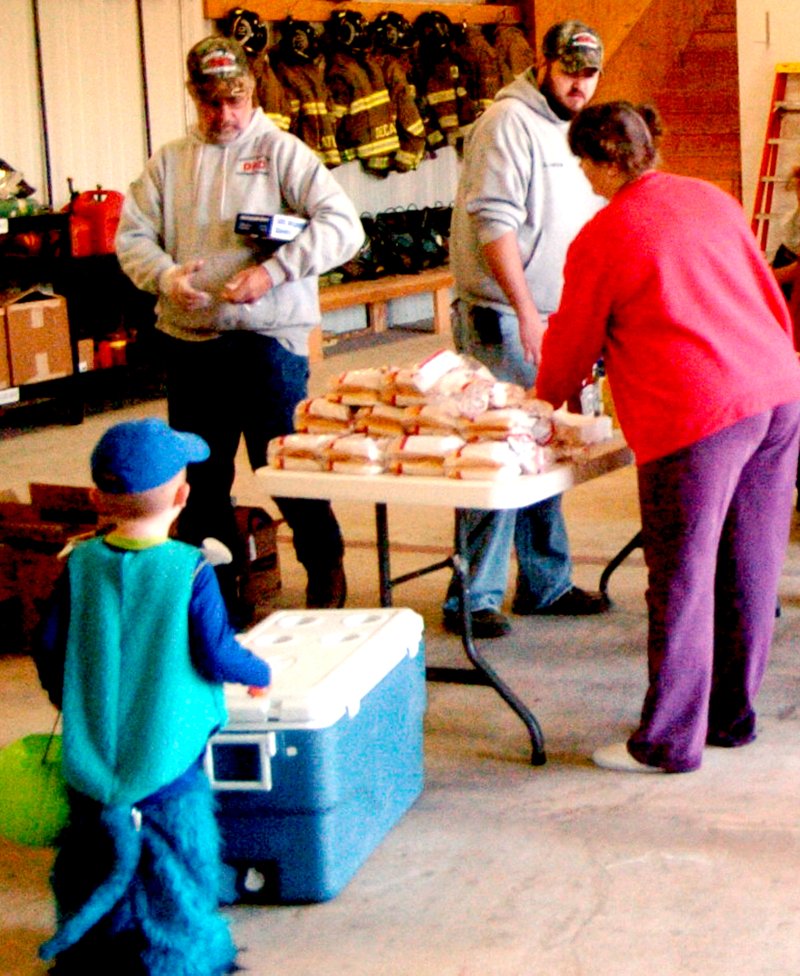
(270, 227)
(250, 167)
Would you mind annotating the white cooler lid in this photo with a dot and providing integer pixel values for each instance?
(324, 663)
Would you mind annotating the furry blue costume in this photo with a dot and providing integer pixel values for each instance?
(145, 902)
(135, 648)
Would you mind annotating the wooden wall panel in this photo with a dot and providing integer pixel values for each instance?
(641, 38)
(613, 21)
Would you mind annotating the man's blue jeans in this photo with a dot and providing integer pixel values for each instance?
(242, 385)
(538, 532)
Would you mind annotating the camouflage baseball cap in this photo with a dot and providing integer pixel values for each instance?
(575, 45)
(218, 65)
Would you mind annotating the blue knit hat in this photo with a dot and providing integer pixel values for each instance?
(142, 454)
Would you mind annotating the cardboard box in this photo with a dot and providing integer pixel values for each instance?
(31, 538)
(85, 355)
(260, 578)
(38, 338)
(8, 574)
(33, 534)
(64, 503)
(311, 778)
(5, 365)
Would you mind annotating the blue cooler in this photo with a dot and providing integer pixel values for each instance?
(310, 779)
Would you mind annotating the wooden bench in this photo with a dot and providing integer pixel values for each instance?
(378, 292)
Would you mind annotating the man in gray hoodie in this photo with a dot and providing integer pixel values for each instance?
(521, 200)
(235, 310)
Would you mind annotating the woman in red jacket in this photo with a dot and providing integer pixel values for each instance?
(667, 285)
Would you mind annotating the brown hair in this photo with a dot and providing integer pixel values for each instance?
(617, 132)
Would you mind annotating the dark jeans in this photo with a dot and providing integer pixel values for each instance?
(242, 384)
(715, 525)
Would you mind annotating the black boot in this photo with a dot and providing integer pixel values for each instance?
(327, 588)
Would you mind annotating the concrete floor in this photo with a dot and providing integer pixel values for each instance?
(500, 868)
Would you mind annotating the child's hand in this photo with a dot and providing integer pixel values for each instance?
(255, 692)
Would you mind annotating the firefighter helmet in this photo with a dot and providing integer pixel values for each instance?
(299, 41)
(391, 32)
(348, 30)
(247, 28)
(433, 30)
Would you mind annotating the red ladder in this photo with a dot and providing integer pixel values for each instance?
(775, 166)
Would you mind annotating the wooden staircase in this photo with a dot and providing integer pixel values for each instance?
(699, 104)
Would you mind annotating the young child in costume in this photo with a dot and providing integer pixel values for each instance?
(134, 650)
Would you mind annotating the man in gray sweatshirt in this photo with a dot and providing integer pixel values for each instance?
(521, 200)
(234, 310)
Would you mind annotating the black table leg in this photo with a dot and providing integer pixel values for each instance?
(384, 570)
(489, 675)
(481, 673)
(621, 556)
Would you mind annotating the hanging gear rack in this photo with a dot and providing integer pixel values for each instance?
(320, 10)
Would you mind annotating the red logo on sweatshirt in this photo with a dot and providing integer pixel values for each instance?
(251, 166)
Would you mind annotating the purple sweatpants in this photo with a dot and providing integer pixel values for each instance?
(715, 526)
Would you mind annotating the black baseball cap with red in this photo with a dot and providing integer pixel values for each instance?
(575, 45)
(218, 66)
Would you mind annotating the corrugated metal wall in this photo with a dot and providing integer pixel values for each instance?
(94, 98)
(20, 127)
(92, 91)
(82, 73)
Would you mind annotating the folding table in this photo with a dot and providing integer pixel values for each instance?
(457, 494)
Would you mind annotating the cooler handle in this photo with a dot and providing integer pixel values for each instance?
(265, 746)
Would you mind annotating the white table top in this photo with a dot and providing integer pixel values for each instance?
(595, 460)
